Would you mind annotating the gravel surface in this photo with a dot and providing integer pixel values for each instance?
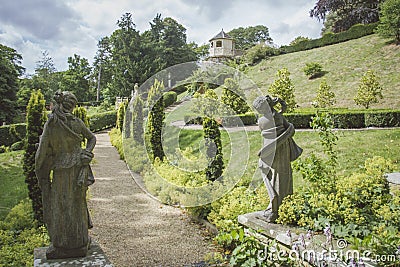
(132, 228)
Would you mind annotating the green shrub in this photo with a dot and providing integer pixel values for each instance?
(101, 121)
(312, 70)
(233, 97)
(369, 90)
(248, 118)
(259, 52)
(116, 141)
(170, 98)
(348, 120)
(212, 137)
(9, 134)
(155, 120)
(35, 120)
(121, 115)
(81, 113)
(382, 119)
(299, 120)
(19, 236)
(283, 88)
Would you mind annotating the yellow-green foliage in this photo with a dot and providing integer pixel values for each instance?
(19, 235)
(360, 199)
(240, 200)
(81, 113)
(116, 141)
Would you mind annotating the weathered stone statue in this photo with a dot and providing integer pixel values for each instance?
(278, 151)
(63, 171)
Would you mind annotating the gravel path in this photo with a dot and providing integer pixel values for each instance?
(132, 228)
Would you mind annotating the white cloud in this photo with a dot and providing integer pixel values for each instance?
(72, 27)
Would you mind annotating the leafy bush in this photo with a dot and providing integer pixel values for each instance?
(121, 115)
(283, 88)
(170, 98)
(369, 90)
(116, 141)
(312, 70)
(35, 120)
(19, 236)
(155, 120)
(259, 52)
(233, 97)
(81, 113)
(101, 121)
(9, 134)
(248, 118)
(382, 119)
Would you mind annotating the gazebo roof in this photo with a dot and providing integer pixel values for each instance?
(221, 35)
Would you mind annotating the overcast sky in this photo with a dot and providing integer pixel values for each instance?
(64, 28)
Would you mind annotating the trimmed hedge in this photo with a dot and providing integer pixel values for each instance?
(350, 119)
(248, 118)
(102, 120)
(9, 134)
(356, 31)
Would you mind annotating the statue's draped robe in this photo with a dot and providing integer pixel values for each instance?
(58, 168)
(278, 151)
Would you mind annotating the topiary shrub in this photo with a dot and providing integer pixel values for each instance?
(35, 120)
(155, 120)
(170, 98)
(81, 113)
(9, 134)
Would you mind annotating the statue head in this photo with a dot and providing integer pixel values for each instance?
(262, 103)
(66, 101)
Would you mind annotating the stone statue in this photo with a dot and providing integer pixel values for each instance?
(275, 167)
(64, 174)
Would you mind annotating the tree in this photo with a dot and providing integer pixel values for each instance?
(369, 90)
(325, 97)
(233, 97)
(283, 88)
(250, 36)
(10, 70)
(347, 13)
(102, 67)
(35, 120)
(76, 78)
(156, 119)
(299, 39)
(126, 57)
(389, 25)
(313, 70)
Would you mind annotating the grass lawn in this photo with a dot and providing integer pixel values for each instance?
(354, 147)
(12, 181)
(344, 64)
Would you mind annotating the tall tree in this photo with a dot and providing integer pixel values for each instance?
(347, 12)
(10, 70)
(126, 57)
(102, 67)
(389, 25)
(250, 36)
(76, 78)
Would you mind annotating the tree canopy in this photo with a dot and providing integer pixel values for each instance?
(250, 36)
(10, 70)
(347, 13)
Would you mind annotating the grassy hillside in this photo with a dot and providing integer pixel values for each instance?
(345, 63)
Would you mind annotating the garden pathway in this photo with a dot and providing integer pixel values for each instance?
(132, 228)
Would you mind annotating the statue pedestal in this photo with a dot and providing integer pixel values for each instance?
(295, 244)
(94, 257)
